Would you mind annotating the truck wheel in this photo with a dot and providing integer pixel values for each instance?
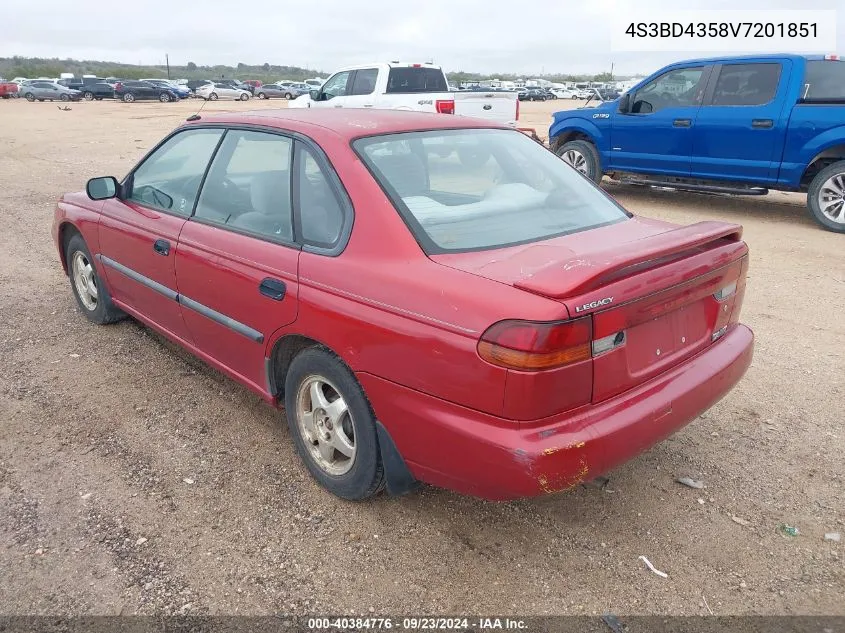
(583, 157)
(826, 197)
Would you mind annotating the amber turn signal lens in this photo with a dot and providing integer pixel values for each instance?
(531, 361)
(533, 346)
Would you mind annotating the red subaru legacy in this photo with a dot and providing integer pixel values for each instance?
(430, 298)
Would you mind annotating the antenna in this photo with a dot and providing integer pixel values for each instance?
(197, 117)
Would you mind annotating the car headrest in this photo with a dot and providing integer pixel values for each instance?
(270, 193)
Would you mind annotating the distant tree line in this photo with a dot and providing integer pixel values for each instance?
(39, 67)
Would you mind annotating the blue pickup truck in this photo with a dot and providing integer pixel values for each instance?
(738, 125)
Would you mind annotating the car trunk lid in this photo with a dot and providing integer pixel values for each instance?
(655, 299)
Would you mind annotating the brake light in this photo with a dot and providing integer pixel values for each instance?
(832, 58)
(444, 106)
(534, 346)
(416, 65)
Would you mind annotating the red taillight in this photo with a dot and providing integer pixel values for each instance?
(517, 109)
(832, 58)
(445, 106)
(118, 85)
(416, 65)
(534, 346)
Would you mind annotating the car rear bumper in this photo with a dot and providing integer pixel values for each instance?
(478, 454)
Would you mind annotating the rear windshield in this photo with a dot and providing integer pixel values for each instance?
(462, 190)
(824, 81)
(412, 79)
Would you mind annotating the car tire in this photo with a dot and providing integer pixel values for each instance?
(98, 307)
(828, 186)
(88, 95)
(583, 157)
(212, 96)
(574, 97)
(64, 97)
(128, 97)
(244, 97)
(288, 96)
(261, 95)
(29, 97)
(164, 97)
(318, 370)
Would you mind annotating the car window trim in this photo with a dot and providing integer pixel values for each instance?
(128, 180)
(335, 183)
(717, 72)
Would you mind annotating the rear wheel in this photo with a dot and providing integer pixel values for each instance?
(212, 96)
(88, 95)
(333, 425)
(91, 295)
(261, 95)
(583, 157)
(574, 97)
(826, 197)
(164, 97)
(288, 96)
(244, 97)
(65, 98)
(128, 97)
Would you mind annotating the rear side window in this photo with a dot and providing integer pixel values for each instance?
(248, 185)
(824, 81)
(412, 79)
(364, 82)
(746, 84)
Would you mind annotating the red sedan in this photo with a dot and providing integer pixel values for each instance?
(430, 298)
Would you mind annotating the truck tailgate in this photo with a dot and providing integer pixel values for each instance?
(499, 107)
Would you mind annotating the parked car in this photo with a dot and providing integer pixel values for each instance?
(421, 87)
(533, 94)
(129, 91)
(738, 125)
(565, 93)
(286, 91)
(181, 91)
(235, 83)
(49, 91)
(215, 91)
(607, 94)
(8, 89)
(253, 85)
(504, 331)
(97, 91)
(193, 84)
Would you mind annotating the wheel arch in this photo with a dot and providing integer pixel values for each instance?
(823, 159)
(570, 130)
(67, 230)
(399, 479)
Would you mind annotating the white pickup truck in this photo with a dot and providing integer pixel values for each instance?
(397, 86)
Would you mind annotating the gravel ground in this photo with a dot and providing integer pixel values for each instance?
(136, 480)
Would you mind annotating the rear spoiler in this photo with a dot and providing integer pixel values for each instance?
(602, 267)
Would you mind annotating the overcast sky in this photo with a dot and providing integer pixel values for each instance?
(519, 36)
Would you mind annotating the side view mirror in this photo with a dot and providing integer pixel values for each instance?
(102, 188)
(314, 94)
(625, 103)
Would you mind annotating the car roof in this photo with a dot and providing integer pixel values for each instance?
(740, 58)
(349, 123)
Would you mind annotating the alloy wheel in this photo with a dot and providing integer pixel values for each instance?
(325, 423)
(84, 281)
(831, 198)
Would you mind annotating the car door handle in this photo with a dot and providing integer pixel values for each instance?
(682, 122)
(273, 288)
(162, 247)
(762, 124)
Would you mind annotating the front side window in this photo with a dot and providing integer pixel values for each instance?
(674, 89)
(364, 82)
(464, 190)
(336, 86)
(170, 177)
(746, 84)
(824, 81)
(248, 185)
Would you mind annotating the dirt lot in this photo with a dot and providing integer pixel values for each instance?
(134, 479)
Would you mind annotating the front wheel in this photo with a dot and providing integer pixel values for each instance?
(164, 97)
(29, 96)
(88, 95)
(574, 97)
(288, 96)
(333, 425)
(212, 96)
(128, 97)
(261, 95)
(91, 295)
(65, 98)
(826, 197)
(583, 157)
(244, 97)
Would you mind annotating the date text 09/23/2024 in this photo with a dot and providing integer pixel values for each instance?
(415, 624)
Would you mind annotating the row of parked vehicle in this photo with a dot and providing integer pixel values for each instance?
(97, 89)
(545, 94)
